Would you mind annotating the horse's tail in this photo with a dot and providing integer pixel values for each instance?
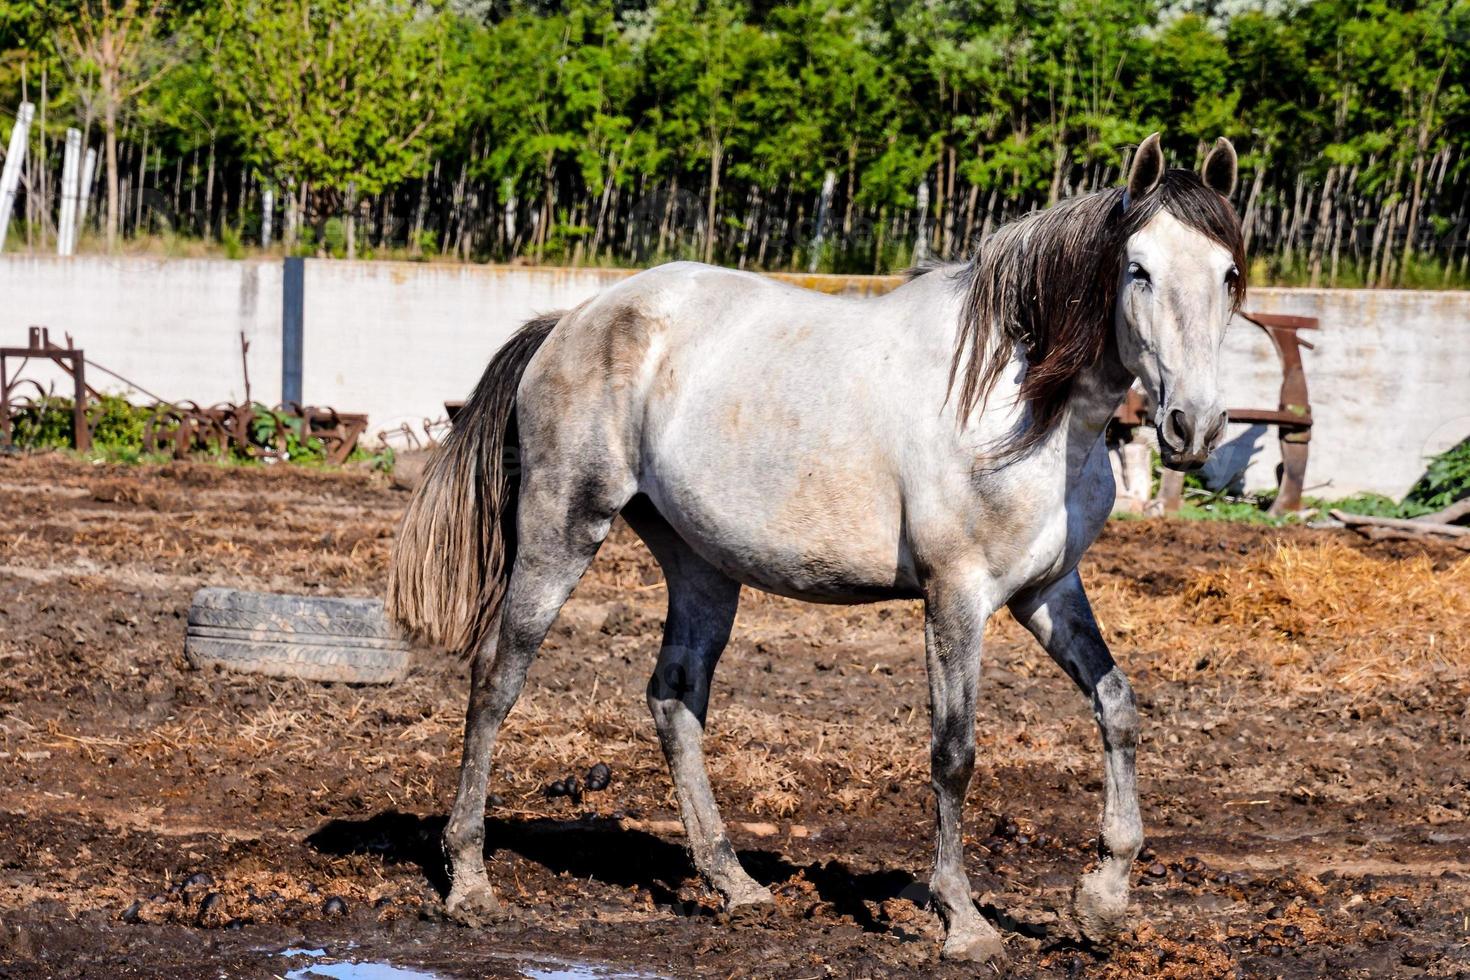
(453, 554)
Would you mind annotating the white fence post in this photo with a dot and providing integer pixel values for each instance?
(824, 206)
(70, 173)
(267, 205)
(14, 157)
(84, 194)
(921, 238)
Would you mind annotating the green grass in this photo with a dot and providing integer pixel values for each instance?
(1235, 509)
(1446, 480)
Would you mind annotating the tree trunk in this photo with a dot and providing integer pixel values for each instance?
(752, 218)
(209, 193)
(1383, 230)
(878, 242)
(970, 201)
(989, 212)
(1319, 234)
(949, 204)
(1346, 198)
(546, 206)
(765, 240)
(44, 168)
(607, 185)
(1426, 116)
(141, 183)
(114, 179)
(667, 218)
(416, 238)
(349, 224)
(194, 189)
(1258, 179)
(716, 155)
(852, 150)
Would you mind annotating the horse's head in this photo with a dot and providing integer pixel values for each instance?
(1182, 276)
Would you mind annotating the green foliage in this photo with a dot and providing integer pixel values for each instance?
(1446, 481)
(45, 423)
(510, 128)
(334, 237)
(115, 422)
(1367, 504)
(284, 433)
(229, 237)
(334, 93)
(381, 459)
(1247, 511)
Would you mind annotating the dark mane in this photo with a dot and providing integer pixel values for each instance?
(1050, 282)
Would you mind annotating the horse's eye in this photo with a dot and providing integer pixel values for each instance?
(1232, 276)
(1138, 272)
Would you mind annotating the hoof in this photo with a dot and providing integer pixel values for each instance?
(1101, 910)
(748, 903)
(473, 904)
(975, 946)
(751, 906)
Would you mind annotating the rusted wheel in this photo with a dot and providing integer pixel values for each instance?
(168, 431)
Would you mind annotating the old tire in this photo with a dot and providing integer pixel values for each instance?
(314, 638)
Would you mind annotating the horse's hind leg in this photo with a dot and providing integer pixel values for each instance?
(702, 604)
(954, 624)
(1061, 618)
(561, 525)
(470, 895)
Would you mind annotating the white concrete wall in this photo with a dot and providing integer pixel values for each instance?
(396, 339)
(1389, 383)
(1389, 380)
(171, 326)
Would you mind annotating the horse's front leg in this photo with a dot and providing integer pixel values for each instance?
(1060, 617)
(953, 625)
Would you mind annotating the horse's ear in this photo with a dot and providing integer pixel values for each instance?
(1220, 167)
(1147, 169)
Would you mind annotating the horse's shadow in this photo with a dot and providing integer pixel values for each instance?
(605, 851)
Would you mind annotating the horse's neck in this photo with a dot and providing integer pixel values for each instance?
(1095, 397)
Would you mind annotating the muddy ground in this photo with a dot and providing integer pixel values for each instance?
(1304, 768)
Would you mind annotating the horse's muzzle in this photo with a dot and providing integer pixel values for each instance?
(1187, 436)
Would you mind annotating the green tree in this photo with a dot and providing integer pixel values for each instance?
(701, 59)
(111, 51)
(339, 95)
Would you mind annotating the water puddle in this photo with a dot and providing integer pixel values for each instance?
(323, 966)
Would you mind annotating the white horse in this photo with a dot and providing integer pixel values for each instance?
(941, 442)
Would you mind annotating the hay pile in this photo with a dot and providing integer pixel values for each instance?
(1312, 616)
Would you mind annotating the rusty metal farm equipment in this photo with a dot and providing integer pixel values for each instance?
(181, 429)
(253, 431)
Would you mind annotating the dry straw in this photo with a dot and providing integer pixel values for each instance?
(1309, 616)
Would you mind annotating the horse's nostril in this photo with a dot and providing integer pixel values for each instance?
(1218, 429)
(1179, 429)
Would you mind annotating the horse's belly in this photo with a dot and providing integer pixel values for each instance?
(818, 541)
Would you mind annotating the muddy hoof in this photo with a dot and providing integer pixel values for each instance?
(756, 907)
(474, 905)
(748, 894)
(975, 946)
(1101, 911)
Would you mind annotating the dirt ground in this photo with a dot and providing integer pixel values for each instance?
(1304, 771)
